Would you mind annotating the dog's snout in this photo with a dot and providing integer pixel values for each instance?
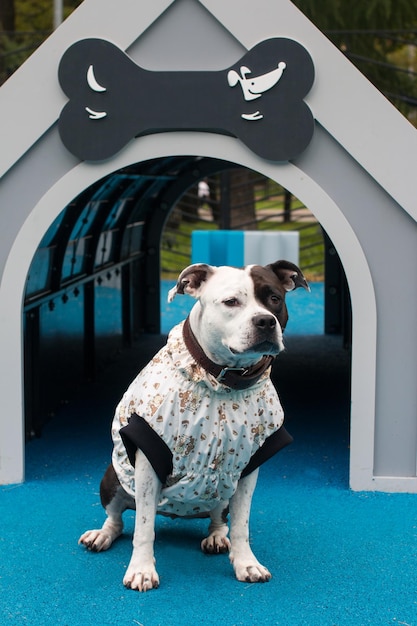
(265, 322)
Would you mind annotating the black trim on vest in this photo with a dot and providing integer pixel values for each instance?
(138, 434)
(271, 446)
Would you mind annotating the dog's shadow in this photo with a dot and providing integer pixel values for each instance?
(178, 550)
(183, 534)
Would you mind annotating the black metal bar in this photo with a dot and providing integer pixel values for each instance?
(32, 374)
(127, 330)
(225, 213)
(287, 206)
(89, 331)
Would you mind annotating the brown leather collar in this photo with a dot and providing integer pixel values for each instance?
(233, 377)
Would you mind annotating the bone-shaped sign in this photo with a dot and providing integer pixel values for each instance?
(112, 100)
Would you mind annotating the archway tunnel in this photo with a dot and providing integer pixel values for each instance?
(93, 297)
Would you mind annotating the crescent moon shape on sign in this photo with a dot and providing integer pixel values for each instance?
(92, 82)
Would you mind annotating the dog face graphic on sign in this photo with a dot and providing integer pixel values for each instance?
(254, 87)
(112, 100)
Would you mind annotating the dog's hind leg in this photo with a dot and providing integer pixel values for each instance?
(217, 541)
(115, 500)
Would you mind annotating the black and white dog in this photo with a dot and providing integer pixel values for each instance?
(197, 422)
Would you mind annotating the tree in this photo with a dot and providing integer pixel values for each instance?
(7, 25)
(241, 199)
(379, 37)
(7, 14)
(24, 25)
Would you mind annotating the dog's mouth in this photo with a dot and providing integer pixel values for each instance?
(263, 347)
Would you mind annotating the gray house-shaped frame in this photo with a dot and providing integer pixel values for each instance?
(357, 175)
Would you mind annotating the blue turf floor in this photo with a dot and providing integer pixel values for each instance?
(338, 558)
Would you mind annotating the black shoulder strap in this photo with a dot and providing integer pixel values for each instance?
(273, 444)
(138, 434)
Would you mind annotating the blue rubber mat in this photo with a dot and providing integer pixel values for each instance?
(338, 558)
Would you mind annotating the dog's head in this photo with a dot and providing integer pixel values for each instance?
(240, 313)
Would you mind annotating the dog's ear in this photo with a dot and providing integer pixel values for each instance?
(289, 274)
(191, 279)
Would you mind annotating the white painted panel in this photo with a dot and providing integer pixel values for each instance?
(263, 248)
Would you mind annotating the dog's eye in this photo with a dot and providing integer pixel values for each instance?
(276, 300)
(231, 302)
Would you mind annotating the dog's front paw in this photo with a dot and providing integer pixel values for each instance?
(252, 572)
(215, 544)
(141, 579)
(96, 540)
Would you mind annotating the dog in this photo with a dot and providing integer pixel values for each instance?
(194, 426)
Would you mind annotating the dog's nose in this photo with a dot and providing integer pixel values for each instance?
(265, 322)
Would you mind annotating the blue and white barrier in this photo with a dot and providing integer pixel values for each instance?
(244, 247)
